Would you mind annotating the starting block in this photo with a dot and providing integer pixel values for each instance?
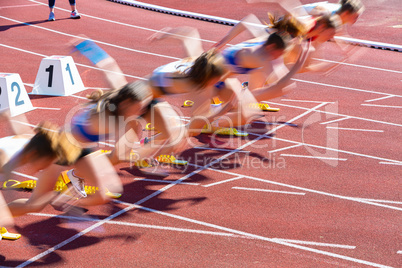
(188, 103)
(60, 186)
(13, 94)
(264, 107)
(149, 127)
(170, 159)
(4, 234)
(225, 131)
(57, 76)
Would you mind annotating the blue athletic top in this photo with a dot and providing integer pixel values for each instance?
(229, 54)
(80, 123)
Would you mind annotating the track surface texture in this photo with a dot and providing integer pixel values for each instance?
(317, 184)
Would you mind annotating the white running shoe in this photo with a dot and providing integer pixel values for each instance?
(75, 15)
(77, 182)
(51, 17)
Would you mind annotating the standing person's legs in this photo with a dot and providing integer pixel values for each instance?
(74, 12)
(51, 7)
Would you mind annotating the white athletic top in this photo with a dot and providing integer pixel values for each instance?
(316, 9)
(161, 76)
(12, 145)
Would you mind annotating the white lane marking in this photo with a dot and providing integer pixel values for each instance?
(361, 66)
(306, 101)
(312, 243)
(356, 129)
(383, 106)
(285, 148)
(391, 163)
(382, 98)
(336, 120)
(360, 200)
(348, 88)
(224, 181)
(166, 181)
(338, 256)
(16, 6)
(24, 175)
(337, 114)
(339, 151)
(122, 23)
(383, 201)
(139, 225)
(267, 190)
(48, 108)
(96, 41)
(315, 157)
(187, 230)
(219, 149)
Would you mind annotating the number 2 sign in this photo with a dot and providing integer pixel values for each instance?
(13, 94)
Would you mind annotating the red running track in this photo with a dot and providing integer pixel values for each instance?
(323, 194)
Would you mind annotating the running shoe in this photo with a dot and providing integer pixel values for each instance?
(75, 15)
(77, 182)
(51, 17)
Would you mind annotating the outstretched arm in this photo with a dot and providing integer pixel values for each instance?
(276, 89)
(101, 59)
(188, 35)
(250, 23)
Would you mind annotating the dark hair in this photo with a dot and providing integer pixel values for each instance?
(351, 6)
(330, 22)
(287, 24)
(206, 67)
(279, 39)
(134, 91)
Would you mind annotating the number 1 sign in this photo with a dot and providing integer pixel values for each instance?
(13, 95)
(57, 76)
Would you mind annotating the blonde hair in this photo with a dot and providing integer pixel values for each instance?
(49, 142)
(288, 24)
(206, 67)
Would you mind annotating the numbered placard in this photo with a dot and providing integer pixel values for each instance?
(13, 95)
(57, 76)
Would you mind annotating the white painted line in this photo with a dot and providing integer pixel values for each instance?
(79, 97)
(336, 120)
(337, 114)
(310, 101)
(330, 254)
(384, 106)
(315, 157)
(266, 190)
(304, 189)
(139, 225)
(391, 163)
(19, 6)
(96, 41)
(24, 175)
(219, 149)
(360, 66)
(285, 148)
(48, 108)
(348, 88)
(166, 181)
(340, 151)
(383, 201)
(382, 98)
(224, 181)
(356, 129)
(315, 243)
